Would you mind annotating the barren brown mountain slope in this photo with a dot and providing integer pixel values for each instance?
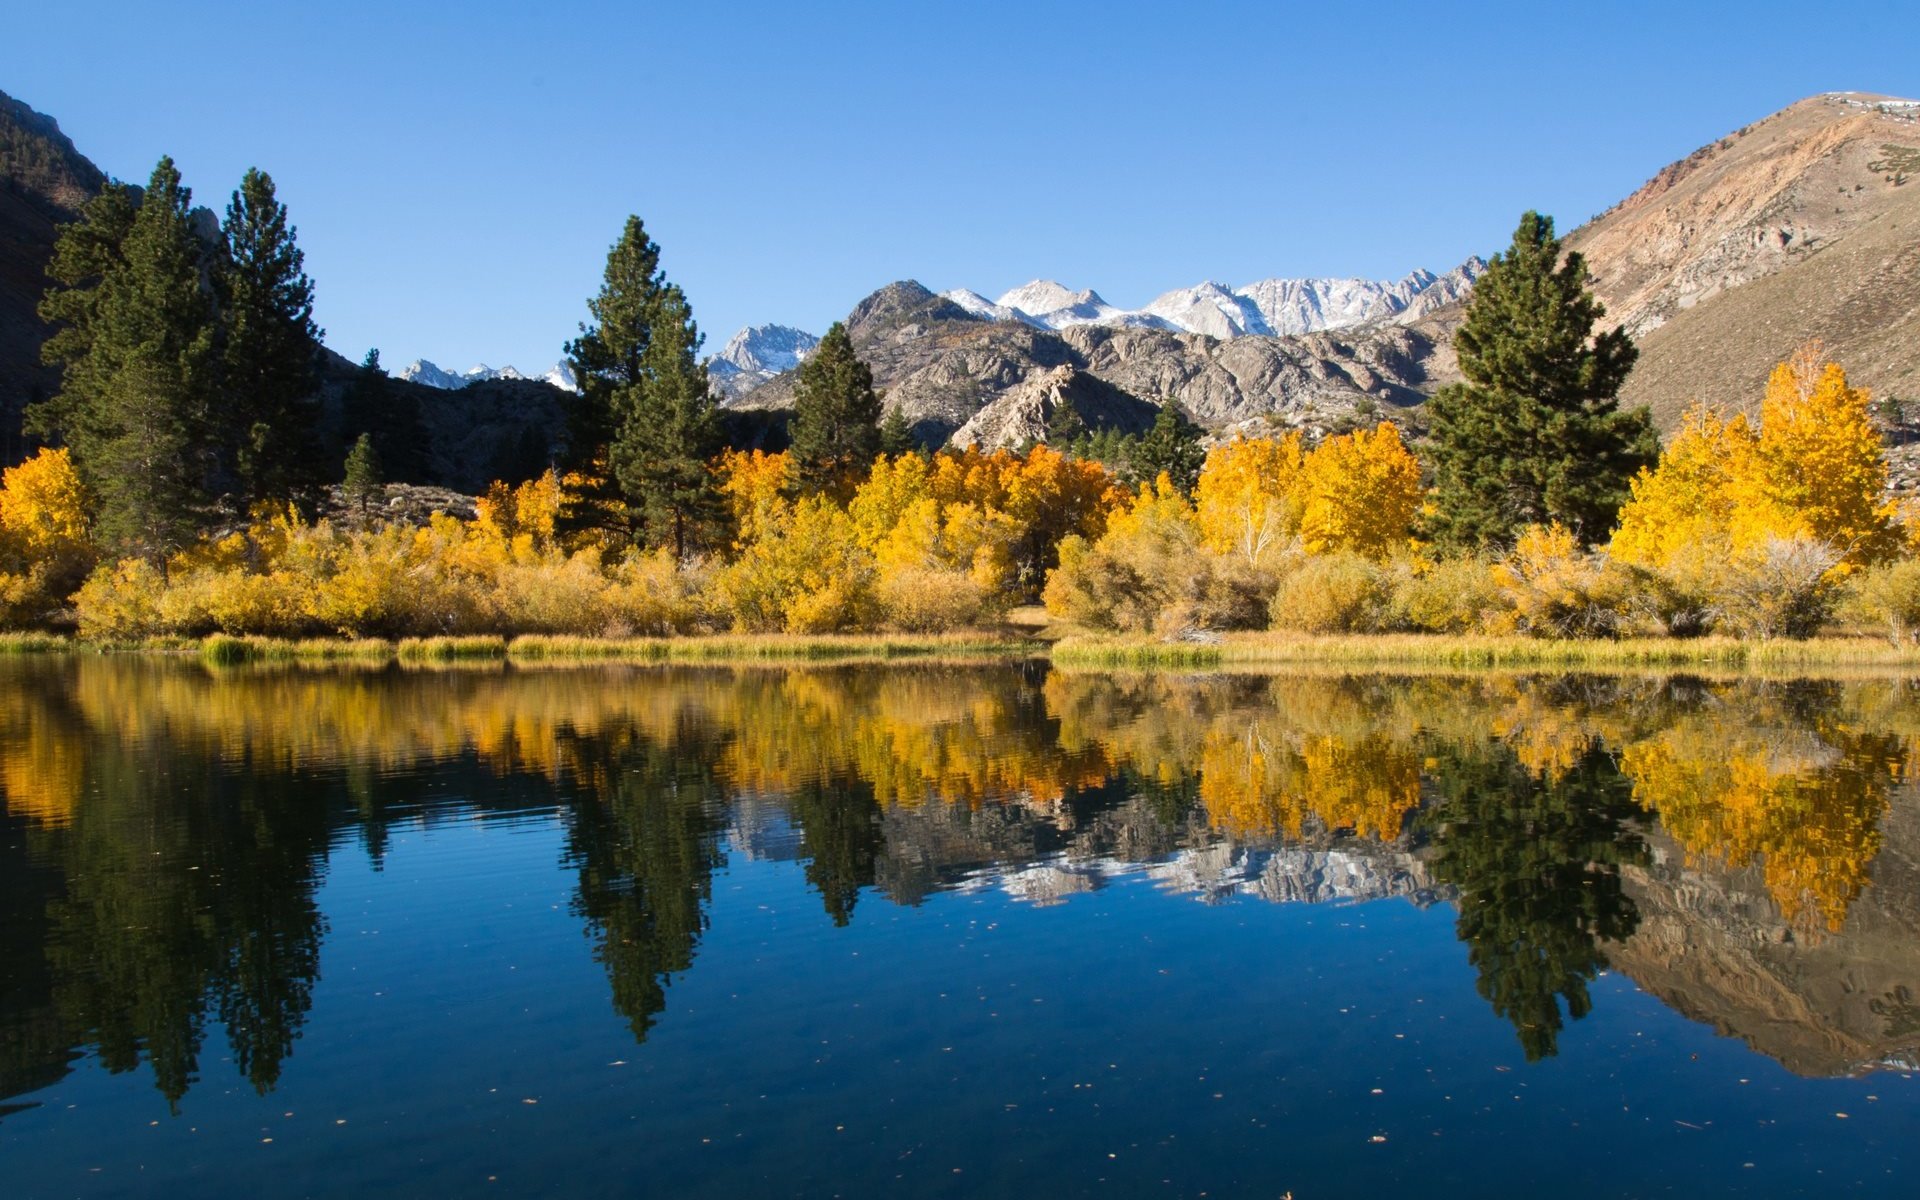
(1804, 225)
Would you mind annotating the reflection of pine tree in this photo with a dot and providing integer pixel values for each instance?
(1538, 864)
(646, 846)
(840, 833)
(187, 887)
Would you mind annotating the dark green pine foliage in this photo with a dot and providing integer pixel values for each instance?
(391, 417)
(140, 365)
(1535, 433)
(896, 434)
(89, 258)
(836, 417)
(1172, 447)
(363, 485)
(1065, 426)
(270, 415)
(669, 430)
(645, 832)
(609, 360)
(1537, 863)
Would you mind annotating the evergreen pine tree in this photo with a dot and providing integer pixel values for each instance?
(1535, 433)
(89, 258)
(896, 434)
(140, 362)
(1065, 426)
(363, 484)
(669, 429)
(836, 416)
(609, 361)
(270, 414)
(1172, 447)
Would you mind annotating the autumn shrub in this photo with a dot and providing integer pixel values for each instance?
(551, 593)
(1342, 592)
(1887, 596)
(45, 551)
(1453, 595)
(1149, 558)
(1679, 598)
(120, 602)
(654, 595)
(806, 574)
(1550, 587)
(1785, 587)
(930, 599)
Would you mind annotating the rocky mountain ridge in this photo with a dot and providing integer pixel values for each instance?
(1804, 225)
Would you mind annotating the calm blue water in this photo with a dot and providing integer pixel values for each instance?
(630, 933)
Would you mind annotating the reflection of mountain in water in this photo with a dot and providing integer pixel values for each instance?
(1749, 852)
(1713, 945)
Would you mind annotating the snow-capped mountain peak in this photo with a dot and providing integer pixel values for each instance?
(1043, 297)
(755, 355)
(428, 374)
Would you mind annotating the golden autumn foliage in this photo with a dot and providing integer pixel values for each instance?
(44, 546)
(1814, 469)
(1248, 501)
(1807, 808)
(1358, 492)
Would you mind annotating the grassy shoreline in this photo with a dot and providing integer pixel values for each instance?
(1228, 652)
(1476, 652)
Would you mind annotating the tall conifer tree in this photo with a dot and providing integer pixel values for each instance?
(669, 429)
(1535, 433)
(836, 416)
(271, 377)
(140, 366)
(609, 362)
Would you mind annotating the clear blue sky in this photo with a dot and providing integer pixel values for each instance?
(457, 171)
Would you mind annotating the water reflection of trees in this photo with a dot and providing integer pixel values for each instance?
(1536, 857)
(172, 826)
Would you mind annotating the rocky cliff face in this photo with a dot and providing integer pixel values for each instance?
(1712, 945)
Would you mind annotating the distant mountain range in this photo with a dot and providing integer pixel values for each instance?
(1269, 308)
(428, 374)
(1803, 225)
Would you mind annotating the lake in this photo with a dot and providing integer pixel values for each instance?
(954, 930)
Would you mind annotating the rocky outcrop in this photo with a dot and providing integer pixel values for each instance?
(1020, 416)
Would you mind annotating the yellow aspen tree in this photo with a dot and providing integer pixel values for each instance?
(1821, 466)
(755, 485)
(1247, 500)
(1359, 492)
(891, 489)
(1686, 503)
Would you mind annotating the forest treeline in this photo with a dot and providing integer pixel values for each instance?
(185, 465)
